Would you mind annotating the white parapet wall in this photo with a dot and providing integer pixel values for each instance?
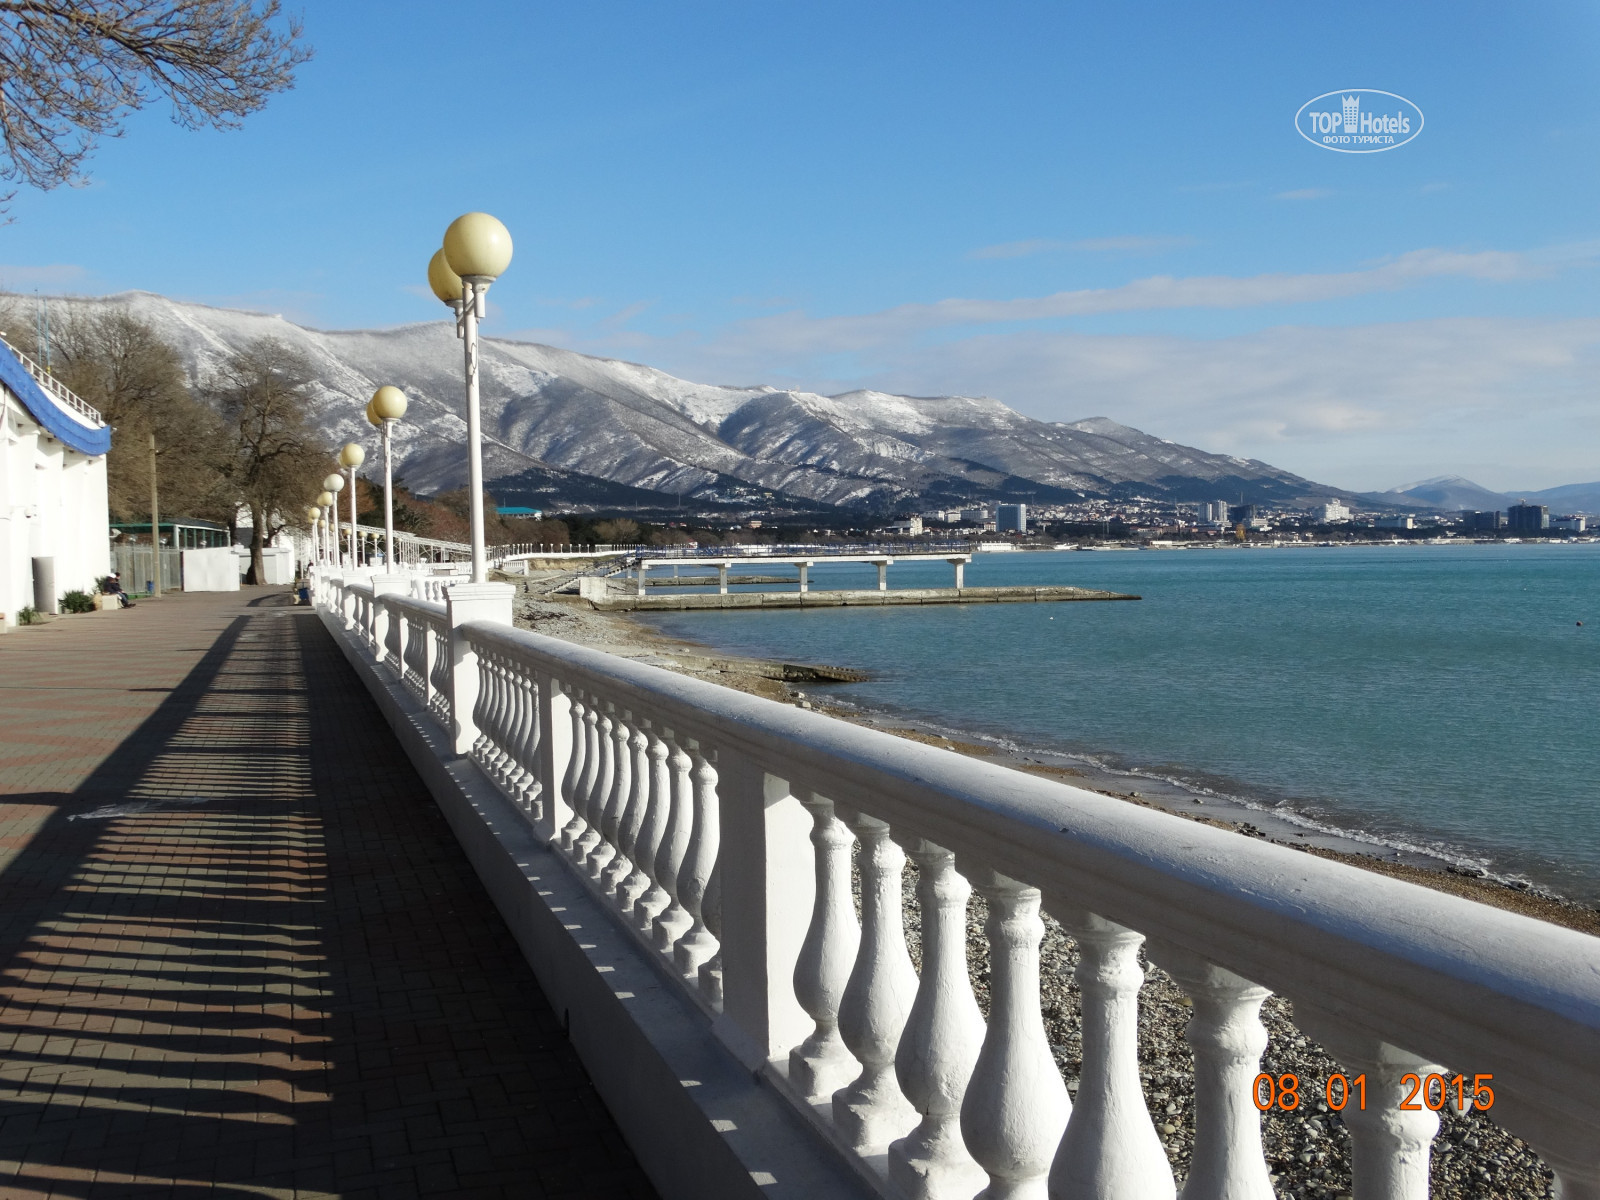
(676, 860)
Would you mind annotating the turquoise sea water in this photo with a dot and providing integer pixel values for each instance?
(1436, 697)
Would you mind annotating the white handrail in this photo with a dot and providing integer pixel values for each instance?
(706, 818)
(75, 404)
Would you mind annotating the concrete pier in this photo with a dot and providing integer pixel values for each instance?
(612, 600)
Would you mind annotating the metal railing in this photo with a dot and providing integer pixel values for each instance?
(59, 391)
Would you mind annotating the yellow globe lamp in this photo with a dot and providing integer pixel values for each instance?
(352, 455)
(388, 403)
(372, 418)
(313, 515)
(477, 246)
(333, 483)
(325, 497)
(446, 284)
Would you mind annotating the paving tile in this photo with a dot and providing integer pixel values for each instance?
(240, 952)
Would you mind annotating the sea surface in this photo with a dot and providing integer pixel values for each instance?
(1435, 698)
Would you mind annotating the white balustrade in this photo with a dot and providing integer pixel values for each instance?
(720, 826)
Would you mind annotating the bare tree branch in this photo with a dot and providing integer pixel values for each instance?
(72, 70)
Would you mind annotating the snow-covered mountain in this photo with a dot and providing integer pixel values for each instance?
(547, 408)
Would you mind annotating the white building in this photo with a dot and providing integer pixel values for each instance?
(1011, 518)
(1573, 524)
(911, 526)
(54, 529)
(1212, 512)
(1397, 522)
(1327, 514)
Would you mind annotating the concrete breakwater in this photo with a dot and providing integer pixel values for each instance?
(609, 600)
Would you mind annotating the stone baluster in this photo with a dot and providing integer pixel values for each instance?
(940, 1044)
(527, 740)
(674, 920)
(710, 980)
(492, 692)
(480, 707)
(572, 780)
(632, 883)
(594, 744)
(652, 898)
(821, 1064)
(621, 866)
(504, 721)
(698, 944)
(1227, 1037)
(872, 1111)
(1111, 1149)
(1016, 1105)
(1389, 1146)
(610, 800)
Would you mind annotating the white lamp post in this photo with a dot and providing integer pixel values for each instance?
(388, 405)
(477, 250)
(324, 543)
(352, 456)
(334, 483)
(313, 515)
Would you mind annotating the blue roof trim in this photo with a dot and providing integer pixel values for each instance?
(43, 408)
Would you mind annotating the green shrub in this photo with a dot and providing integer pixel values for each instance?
(28, 615)
(77, 602)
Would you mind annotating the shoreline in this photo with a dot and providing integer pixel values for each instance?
(617, 632)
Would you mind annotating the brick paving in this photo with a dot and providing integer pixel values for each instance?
(240, 952)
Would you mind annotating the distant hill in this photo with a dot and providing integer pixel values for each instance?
(1444, 492)
(1568, 498)
(558, 422)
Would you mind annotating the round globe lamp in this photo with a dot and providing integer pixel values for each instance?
(325, 497)
(352, 455)
(388, 405)
(477, 246)
(372, 418)
(446, 284)
(333, 483)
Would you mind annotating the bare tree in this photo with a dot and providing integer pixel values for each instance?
(123, 367)
(71, 71)
(278, 458)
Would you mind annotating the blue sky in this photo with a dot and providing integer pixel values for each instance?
(1080, 209)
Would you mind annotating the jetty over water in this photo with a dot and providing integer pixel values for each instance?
(389, 897)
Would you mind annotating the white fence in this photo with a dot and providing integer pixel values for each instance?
(719, 829)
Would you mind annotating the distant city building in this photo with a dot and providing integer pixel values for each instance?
(975, 516)
(1569, 524)
(1011, 518)
(1527, 518)
(1397, 522)
(911, 527)
(1483, 522)
(1327, 514)
(1212, 512)
(1242, 514)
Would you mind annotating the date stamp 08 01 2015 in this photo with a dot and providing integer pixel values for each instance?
(1430, 1091)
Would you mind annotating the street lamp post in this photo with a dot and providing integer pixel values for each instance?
(324, 542)
(388, 405)
(352, 456)
(477, 250)
(312, 516)
(334, 482)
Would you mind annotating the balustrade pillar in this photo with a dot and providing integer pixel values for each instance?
(651, 899)
(1389, 1146)
(872, 1111)
(940, 1044)
(1111, 1150)
(1016, 1105)
(385, 646)
(821, 1064)
(628, 882)
(763, 893)
(470, 602)
(1227, 1037)
(608, 860)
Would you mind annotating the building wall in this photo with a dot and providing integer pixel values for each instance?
(52, 504)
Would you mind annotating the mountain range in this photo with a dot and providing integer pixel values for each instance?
(1454, 492)
(563, 428)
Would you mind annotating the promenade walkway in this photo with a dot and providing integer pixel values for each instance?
(241, 954)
